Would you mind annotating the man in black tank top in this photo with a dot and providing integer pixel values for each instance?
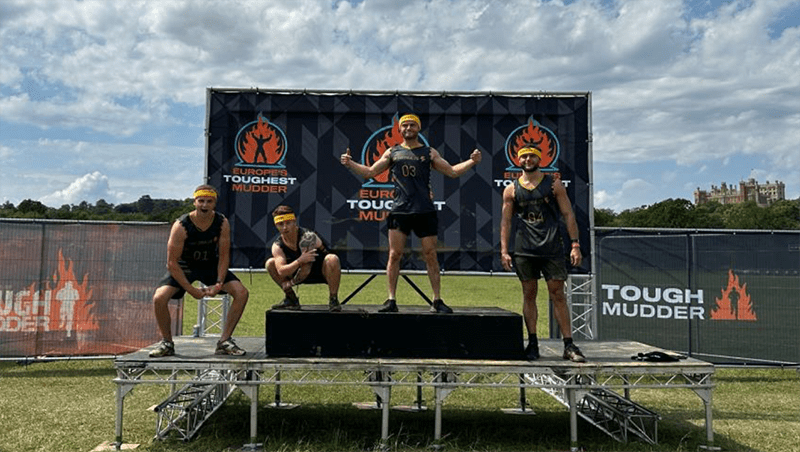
(299, 256)
(410, 164)
(199, 250)
(539, 201)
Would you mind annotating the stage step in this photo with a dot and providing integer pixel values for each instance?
(414, 332)
(615, 415)
(187, 409)
(618, 416)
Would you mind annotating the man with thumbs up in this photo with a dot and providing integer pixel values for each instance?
(410, 165)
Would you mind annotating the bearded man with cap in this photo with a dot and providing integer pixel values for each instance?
(199, 250)
(539, 201)
(410, 165)
(299, 256)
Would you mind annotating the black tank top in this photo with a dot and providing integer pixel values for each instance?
(293, 254)
(538, 219)
(201, 248)
(411, 174)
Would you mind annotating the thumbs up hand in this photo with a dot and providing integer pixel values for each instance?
(346, 158)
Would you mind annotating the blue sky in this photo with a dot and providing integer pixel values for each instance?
(106, 100)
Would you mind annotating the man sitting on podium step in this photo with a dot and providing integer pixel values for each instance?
(299, 256)
(199, 250)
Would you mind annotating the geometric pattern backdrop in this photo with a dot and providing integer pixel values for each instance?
(266, 148)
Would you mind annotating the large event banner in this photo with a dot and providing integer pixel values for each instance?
(79, 288)
(722, 296)
(266, 148)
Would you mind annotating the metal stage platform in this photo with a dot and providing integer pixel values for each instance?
(598, 390)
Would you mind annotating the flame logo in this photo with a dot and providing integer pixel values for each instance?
(380, 141)
(261, 144)
(735, 303)
(537, 135)
(72, 298)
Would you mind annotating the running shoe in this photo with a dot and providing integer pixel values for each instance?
(439, 306)
(389, 305)
(574, 354)
(293, 305)
(165, 348)
(228, 347)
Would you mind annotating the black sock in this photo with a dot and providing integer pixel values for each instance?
(532, 339)
(567, 341)
(291, 295)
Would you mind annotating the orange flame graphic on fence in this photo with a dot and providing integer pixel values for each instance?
(261, 144)
(735, 303)
(72, 296)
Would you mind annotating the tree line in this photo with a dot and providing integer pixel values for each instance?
(145, 209)
(681, 213)
(672, 213)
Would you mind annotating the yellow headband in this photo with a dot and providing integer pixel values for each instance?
(414, 118)
(205, 192)
(285, 217)
(529, 150)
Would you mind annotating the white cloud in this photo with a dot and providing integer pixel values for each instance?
(90, 187)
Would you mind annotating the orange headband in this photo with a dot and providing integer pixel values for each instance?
(414, 118)
(205, 192)
(285, 217)
(529, 150)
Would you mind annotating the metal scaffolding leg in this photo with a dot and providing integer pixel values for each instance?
(441, 393)
(384, 394)
(419, 403)
(573, 420)
(122, 391)
(706, 396)
(251, 391)
(523, 401)
(279, 403)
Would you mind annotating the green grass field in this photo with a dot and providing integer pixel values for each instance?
(70, 405)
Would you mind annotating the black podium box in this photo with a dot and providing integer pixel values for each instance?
(414, 332)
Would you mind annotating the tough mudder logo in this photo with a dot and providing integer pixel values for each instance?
(261, 150)
(375, 199)
(62, 304)
(261, 144)
(677, 303)
(528, 134)
(735, 303)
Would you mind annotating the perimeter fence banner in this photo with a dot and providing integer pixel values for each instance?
(725, 297)
(79, 288)
(266, 148)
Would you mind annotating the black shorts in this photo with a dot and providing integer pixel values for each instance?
(316, 276)
(423, 224)
(530, 268)
(206, 275)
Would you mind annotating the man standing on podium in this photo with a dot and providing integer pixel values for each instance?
(410, 164)
(539, 201)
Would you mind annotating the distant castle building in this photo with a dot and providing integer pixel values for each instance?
(763, 194)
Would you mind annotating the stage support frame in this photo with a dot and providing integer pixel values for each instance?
(609, 369)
